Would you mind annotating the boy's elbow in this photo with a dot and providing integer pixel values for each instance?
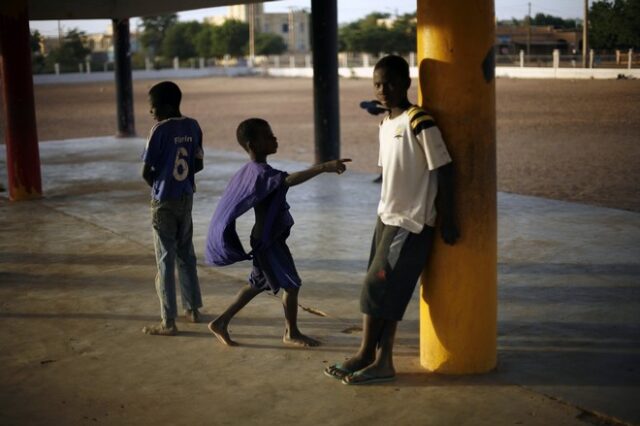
(199, 165)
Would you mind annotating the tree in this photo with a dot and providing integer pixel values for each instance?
(554, 21)
(403, 35)
(614, 24)
(154, 30)
(269, 44)
(37, 60)
(72, 50)
(204, 41)
(361, 36)
(230, 38)
(370, 35)
(34, 41)
(180, 40)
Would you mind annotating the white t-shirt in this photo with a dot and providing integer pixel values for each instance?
(411, 149)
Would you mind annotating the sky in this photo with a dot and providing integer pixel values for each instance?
(348, 11)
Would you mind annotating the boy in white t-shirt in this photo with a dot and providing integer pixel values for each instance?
(416, 167)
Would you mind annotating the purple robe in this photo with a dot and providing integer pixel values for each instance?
(250, 185)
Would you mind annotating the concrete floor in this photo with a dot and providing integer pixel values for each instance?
(76, 287)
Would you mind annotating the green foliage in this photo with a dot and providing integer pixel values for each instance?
(366, 35)
(269, 44)
(614, 24)
(542, 20)
(204, 41)
(180, 40)
(71, 52)
(554, 21)
(231, 38)
(34, 41)
(37, 60)
(154, 30)
(403, 34)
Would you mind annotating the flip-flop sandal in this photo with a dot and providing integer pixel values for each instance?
(365, 379)
(337, 371)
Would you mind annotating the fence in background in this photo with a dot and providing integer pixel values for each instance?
(358, 65)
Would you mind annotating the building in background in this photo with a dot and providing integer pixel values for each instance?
(293, 27)
(511, 39)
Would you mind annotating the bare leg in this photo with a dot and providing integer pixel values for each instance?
(292, 334)
(372, 329)
(219, 326)
(382, 366)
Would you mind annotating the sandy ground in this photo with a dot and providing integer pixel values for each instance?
(560, 139)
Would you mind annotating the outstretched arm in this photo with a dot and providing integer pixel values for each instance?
(334, 166)
(448, 226)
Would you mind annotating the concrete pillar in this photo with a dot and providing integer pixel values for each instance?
(176, 63)
(630, 59)
(147, 64)
(87, 66)
(617, 56)
(124, 80)
(56, 68)
(412, 59)
(276, 62)
(307, 61)
(324, 16)
(458, 304)
(591, 55)
(201, 63)
(365, 60)
(292, 61)
(556, 58)
(20, 135)
(522, 59)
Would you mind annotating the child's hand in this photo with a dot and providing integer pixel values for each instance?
(336, 166)
(449, 233)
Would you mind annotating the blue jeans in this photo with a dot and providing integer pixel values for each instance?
(172, 238)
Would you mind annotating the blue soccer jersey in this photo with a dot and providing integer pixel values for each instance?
(174, 145)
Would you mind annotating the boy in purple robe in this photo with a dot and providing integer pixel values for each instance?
(259, 186)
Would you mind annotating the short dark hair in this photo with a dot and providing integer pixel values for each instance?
(396, 64)
(247, 130)
(166, 93)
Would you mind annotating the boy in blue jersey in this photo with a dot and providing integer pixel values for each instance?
(172, 157)
(416, 167)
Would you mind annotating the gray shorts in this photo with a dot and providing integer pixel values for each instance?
(397, 258)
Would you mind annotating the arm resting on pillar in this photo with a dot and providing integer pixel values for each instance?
(446, 205)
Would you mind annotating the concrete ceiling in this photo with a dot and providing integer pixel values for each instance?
(107, 9)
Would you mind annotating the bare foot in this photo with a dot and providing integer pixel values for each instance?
(299, 339)
(219, 329)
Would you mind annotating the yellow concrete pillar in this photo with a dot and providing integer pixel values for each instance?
(458, 303)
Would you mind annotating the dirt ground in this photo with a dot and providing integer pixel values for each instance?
(561, 139)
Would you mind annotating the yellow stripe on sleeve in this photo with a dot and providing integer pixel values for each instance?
(414, 123)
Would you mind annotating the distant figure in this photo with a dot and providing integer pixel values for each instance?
(259, 186)
(172, 157)
(416, 167)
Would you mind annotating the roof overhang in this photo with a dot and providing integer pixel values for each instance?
(110, 9)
